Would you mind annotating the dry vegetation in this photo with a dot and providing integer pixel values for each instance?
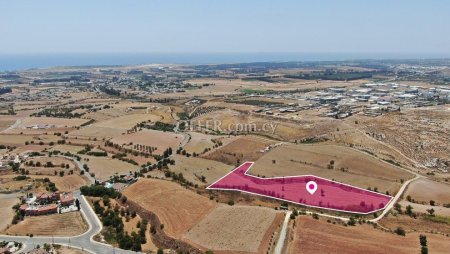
(235, 228)
(104, 167)
(66, 224)
(159, 139)
(7, 201)
(245, 148)
(424, 190)
(194, 168)
(349, 166)
(179, 209)
(318, 236)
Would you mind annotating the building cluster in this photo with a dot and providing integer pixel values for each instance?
(9, 247)
(51, 93)
(46, 203)
(372, 99)
(6, 159)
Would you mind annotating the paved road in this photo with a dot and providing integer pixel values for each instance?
(84, 241)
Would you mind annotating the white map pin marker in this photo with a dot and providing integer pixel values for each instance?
(311, 187)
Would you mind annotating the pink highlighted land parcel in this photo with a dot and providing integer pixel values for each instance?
(329, 195)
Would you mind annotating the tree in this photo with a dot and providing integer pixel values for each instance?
(398, 208)
(160, 251)
(106, 200)
(424, 250)
(400, 231)
(409, 210)
(351, 222)
(432, 203)
(423, 240)
(430, 211)
(77, 204)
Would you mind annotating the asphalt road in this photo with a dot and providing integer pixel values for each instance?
(84, 241)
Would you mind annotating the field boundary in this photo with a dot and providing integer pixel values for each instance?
(210, 187)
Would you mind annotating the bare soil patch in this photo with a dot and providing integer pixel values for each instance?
(178, 208)
(233, 228)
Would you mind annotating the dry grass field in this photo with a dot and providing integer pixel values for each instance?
(245, 148)
(419, 224)
(318, 236)
(419, 133)
(194, 168)
(127, 121)
(13, 140)
(69, 182)
(350, 166)
(422, 208)
(199, 142)
(159, 139)
(8, 184)
(66, 250)
(104, 167)
(67, 148)
(289, 127)
(7, 201)
(66, 224)
(178, 209)
(92, 131)
(235, 228)
(424, 190)
(58, 122)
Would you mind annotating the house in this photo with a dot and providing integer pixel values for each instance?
(4, 251)
(38, 210)
(66, 199)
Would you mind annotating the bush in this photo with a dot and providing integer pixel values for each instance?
(400, 231)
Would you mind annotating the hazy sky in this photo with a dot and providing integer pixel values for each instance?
(340, 26)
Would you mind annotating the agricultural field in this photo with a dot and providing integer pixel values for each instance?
(67, 148)
(245, 148)
(65, 224)
(194, 168)
(244, 229)
(179, 209)
(104, 167)
(422, 223)
(13, 140)
(29, 125)
(424, 190)
(126, 122)
(340, 163)
(159, 139)
(98, 132)
(198, 142)
(313, 236)
(68, 183)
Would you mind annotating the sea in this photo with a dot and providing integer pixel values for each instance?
(17, 62)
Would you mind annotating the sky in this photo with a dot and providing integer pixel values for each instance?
(225, 26)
